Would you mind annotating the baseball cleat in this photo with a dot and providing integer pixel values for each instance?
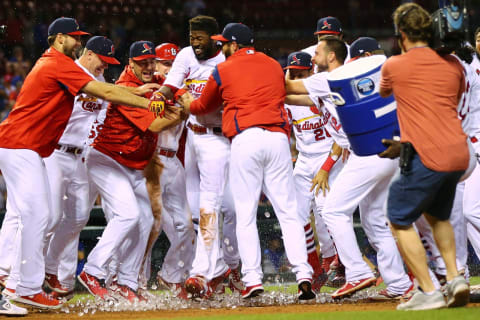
(51, 281)
(384, 295)
(458, 292)
(319, 281)
(94, 285)
(326, 262)
(9, 309)
(305, 290)
(198, 287)
(8, 293)
(353, 286)
(219, 283)
(63, 296)
(128, 293)
(252, 291)
(40, 300)
(235, 281)
(176, 288)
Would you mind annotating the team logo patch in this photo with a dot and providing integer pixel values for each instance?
(326, 25)
(147, 48)
(295, 60)
(366, 86)
(112, 51)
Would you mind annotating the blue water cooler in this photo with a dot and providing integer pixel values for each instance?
(366, 117)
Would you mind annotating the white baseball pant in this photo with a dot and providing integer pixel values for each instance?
(231, 256)
(471, 204)
(364, 182)
(206, 161)
(29, 203)
(457, 221)
(124, 193)
(10, 240)
(261, 160)
(176, 222)
(306, 167)
(74, 195)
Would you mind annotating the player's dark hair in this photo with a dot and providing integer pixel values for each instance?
(51, 39)
(336, 45)
(204, 23)
(414, 21)
(477, 32)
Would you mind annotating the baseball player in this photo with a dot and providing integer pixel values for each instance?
(362, 182)
(175, 219)
(30, 133)
(313, 143)
(167, 52)
(206, 155)
(115, 165)
(72, 193)
(326, 26)
(256, 121)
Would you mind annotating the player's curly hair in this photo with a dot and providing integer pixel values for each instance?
(204, 23)
(414, 21)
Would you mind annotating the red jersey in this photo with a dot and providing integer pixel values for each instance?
(44, 104)
(252, 87)
(125, 136)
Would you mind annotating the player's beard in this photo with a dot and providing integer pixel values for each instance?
(71, 52)
(207, 52)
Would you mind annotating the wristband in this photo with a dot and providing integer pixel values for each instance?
(328, 164)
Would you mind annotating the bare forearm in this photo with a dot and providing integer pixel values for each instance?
(115, 94)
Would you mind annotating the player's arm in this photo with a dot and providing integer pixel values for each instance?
(208, 102)
(320, 181)
(173, 116)
(299, 100)
(115, 94)
(295, 87)
(144, 89)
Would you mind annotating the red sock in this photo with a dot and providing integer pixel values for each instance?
(313, 258)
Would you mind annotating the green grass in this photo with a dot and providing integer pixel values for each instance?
(458, 314)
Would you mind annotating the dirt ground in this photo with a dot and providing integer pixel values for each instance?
(166, 314)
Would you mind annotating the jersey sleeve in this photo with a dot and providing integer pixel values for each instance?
(317, 85)
(179, 70)
(140, 118)
(71, 76)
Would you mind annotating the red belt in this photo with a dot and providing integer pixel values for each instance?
(167, 153)
(72, 150)
(198, 129)
(473, 139)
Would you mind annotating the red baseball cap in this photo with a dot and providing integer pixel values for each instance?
(166, 51)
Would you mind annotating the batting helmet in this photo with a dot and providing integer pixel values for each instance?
(166, 51)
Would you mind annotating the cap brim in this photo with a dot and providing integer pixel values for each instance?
(78, 33)
(109, 60)
(146, 56)
(327, 32)
(219, 37)
(298, 67)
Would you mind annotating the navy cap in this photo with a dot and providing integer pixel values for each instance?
(66, 26)
(103, 48)
(299, 60)
(329, 25)
(141, 50)
(362, 45)
(237, 32)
